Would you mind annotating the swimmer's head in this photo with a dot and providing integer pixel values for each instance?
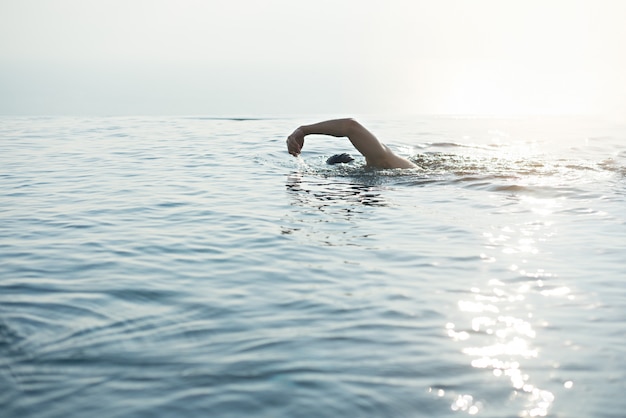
(339, 159)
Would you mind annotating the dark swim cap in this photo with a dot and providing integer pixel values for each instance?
(339, 158)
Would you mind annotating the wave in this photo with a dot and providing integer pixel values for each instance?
(234, 119)
(436, 162)
(458, 145)
(537, 176)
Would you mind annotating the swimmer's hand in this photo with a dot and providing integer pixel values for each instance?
(295, 142)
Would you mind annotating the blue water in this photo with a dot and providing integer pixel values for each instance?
(158, 267)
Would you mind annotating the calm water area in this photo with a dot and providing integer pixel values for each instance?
(190, 267)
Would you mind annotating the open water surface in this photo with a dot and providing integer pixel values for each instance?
(157, 267)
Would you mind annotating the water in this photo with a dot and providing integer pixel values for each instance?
(191, 267)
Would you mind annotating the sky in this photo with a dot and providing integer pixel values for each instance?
(288, 57)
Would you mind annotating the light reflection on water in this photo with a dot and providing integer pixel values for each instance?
(498, 330)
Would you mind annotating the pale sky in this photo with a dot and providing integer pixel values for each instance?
(286, 57)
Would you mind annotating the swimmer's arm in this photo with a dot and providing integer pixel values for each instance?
(375, 152)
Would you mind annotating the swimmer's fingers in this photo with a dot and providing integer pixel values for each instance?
(295, 142)
(293, 147)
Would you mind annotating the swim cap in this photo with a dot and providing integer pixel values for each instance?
(339, 158)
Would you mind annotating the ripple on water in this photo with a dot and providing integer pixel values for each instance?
(185, 266)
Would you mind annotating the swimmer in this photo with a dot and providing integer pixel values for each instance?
(376, 154)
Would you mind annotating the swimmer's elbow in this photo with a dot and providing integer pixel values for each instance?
(351, 126)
